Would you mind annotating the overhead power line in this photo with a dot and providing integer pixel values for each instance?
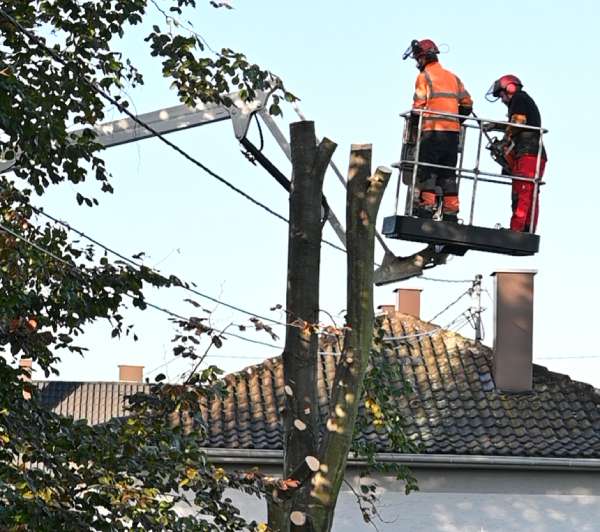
(445, 280)
(77, 270)
(449, 305)
(456, 324)
(194, 291)
(56, 56)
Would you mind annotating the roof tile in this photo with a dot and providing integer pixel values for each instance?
(453, 409)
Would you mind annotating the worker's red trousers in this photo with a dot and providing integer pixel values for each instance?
(522, 192)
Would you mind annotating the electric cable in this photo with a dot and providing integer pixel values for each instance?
(133, 117)
(149, 128)
(424, 278)
(178, 316)
(449, 305)
(455, 322)
(78, 271)
(66, 225)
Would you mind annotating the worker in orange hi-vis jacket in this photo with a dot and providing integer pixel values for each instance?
(437, 89)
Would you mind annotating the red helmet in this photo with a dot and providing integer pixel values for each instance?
(508, 83)
(419, 49)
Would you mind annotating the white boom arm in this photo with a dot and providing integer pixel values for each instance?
(180, 117)
(176, 118)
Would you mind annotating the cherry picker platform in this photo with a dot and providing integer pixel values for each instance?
(449, 236)
(459, 238)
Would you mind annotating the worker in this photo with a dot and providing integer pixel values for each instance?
(437, 89)
(522, 149)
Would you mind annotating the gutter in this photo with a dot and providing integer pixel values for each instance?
(449, 461)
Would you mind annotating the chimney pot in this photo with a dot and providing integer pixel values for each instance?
(408, 301)
(130, 373)
(513, 330)
(387, 309)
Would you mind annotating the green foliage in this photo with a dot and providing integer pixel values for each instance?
(130, 473)
(42, 97)
(383, 385)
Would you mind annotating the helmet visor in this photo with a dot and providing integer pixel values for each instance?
(408, 52)
(493, 93)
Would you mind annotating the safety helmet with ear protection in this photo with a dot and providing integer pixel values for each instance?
(421, 49)
(507, 83)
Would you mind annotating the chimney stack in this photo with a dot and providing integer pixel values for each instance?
(128, 373)
(513, 330)
(387, 309)
(408, 301)
(26, 364)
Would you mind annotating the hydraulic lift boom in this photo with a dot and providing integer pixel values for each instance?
(181, 117)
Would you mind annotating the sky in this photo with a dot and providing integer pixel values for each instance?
(343, 60)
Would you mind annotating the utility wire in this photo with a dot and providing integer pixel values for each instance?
(133, 117)
(445, 280)
(449, 305)
(78, 271)
(66, 225)
(40, 42)
(455, 322)
(149, 128)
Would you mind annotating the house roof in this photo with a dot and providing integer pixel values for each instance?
(97, 402)
(453, 409)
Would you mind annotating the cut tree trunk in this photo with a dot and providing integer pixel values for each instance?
(363, 200)
(300, 356)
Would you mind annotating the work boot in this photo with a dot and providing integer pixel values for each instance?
(450, 207)
(427, 205)
(423, 211)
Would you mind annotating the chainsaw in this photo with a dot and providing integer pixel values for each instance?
(499, 149)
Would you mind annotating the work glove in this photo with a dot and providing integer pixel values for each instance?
(492, 126)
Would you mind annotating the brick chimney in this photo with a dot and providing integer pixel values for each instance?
(408, 301)
(128, 373)
(26, 364)
(387, 309)
(513, 330)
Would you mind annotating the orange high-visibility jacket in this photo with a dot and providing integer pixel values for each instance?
(438, 89)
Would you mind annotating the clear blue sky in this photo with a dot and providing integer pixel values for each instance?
(343, 59)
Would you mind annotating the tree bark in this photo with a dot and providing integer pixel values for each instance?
(363, 200)
(300, 356)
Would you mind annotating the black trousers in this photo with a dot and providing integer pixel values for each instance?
(438, 147)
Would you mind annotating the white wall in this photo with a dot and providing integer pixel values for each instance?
(453, 500)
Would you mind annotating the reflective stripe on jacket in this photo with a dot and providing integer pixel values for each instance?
(438, 89)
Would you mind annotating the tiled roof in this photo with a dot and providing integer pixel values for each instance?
(95, 401)
(454, 407)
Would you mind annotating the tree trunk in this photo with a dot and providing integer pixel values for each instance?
(363, 200)
(300, 356)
